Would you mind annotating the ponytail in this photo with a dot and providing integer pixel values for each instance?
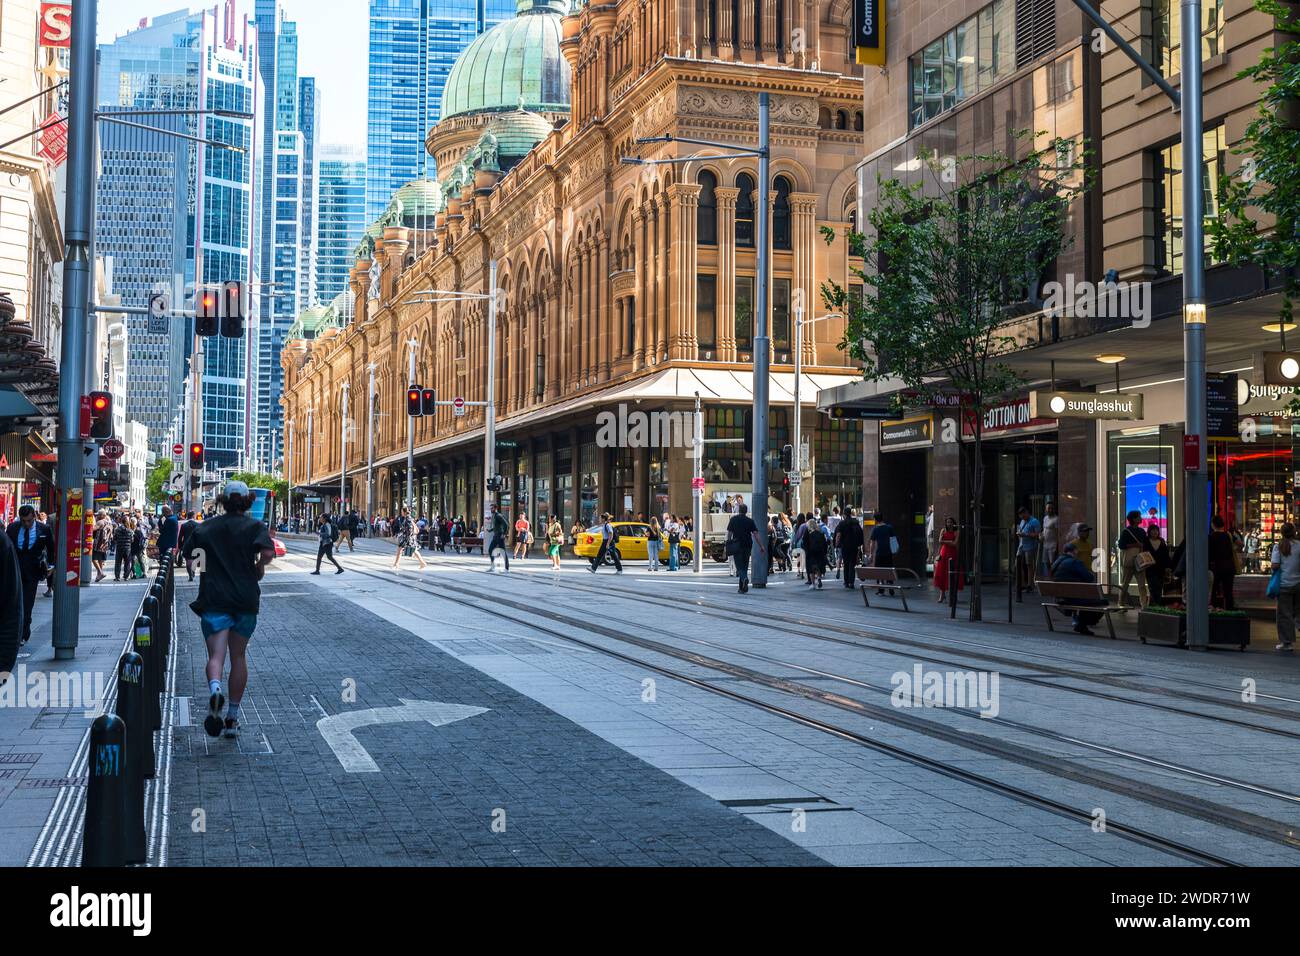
(1288, 535)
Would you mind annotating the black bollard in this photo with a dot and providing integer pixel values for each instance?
(139, 762)
(104, 837)
(150, 609)
(163, 621)
(148, 651)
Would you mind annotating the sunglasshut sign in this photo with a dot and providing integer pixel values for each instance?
(1122, 406)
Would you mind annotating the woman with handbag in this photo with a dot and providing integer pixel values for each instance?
(1285, 586)
(1132, 543)
(1158, 564)
(652, 538)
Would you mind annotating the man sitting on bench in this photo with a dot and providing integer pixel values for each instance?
(1068, 567)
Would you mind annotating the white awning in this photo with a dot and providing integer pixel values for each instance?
(714, 386)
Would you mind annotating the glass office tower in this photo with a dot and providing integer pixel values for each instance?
(413, 46)
(341, 217)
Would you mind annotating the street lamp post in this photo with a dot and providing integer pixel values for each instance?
(411, 345)
(490, 413)
(288, 470)
(370, 443)
(798, 404)
(310, 413)
(343, 450)
(77, 284)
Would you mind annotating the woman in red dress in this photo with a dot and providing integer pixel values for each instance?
(947, 555)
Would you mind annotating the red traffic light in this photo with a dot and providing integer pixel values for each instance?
(428, 402)
(413, 395)
(101, 415)
(196, 455)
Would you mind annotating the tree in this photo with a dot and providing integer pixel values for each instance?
(154, 484)
(277, 486)
(947, 258)
(1259, 218)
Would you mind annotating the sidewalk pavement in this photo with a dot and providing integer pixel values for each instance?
(40, 739)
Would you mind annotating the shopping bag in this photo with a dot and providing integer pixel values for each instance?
(1274, 583)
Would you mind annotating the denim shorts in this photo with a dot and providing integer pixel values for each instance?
(213, 622)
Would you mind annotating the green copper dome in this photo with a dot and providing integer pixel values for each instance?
(516, 133)
(421, 200)
(516, 63)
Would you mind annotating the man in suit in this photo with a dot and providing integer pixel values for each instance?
(168, 533)
(11, 605)
(35, 547)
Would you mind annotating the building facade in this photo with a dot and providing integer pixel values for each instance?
(413, 46)
(961, 78)
(625, 290)
(341, 217)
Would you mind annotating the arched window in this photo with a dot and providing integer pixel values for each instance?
(782, 237)
(745, 211)
(824, 118)
(706, 216)
(841, 119)
(857, 121)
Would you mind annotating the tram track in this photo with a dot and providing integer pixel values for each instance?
(1183, 804)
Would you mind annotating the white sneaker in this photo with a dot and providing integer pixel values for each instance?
(1284, 647)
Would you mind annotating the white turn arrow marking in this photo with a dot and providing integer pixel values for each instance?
(338, 730)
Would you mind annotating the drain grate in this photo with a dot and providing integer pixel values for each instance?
(51, 783)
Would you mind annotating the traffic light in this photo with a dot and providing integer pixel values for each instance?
(207, 311)
(232, 310)
(787, 459)
(749, 431)
(196, 456)
(413, 396)
(101, 415)
(428, 401)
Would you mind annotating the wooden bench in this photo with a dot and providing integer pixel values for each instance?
(899, 579)
(469, 544)
(1071, 597)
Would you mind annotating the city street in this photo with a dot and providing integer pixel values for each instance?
(454, 716)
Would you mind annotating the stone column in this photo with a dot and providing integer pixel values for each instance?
(603, 301)
(663, 237)
(723, 31)
(726, 196)
(803, 227)
(685, 198)
(553, 340)
(640, 233)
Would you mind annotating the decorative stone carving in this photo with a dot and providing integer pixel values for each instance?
(787, 109)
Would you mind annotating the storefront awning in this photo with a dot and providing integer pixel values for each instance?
(673, 384)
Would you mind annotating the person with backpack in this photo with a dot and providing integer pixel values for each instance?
(329, 533)
(674, 532)
(742, 538)
(122, 536)
(235, 549)
(813, 546)
(498, 529)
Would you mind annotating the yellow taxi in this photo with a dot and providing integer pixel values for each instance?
(630, 537)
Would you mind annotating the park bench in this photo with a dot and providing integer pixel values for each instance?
(1069, 597)
(469, 544)
(899, 579)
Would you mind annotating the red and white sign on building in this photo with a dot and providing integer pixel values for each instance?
(53, 145)
(56, 25)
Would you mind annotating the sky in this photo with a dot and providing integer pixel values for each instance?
(331, 47)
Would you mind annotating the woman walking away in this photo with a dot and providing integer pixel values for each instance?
(812, 544)
(674, 531)
(1161, 566)
(1286, 571)
(945, 569)
(405, 531)
(652, 540)
(554, 541)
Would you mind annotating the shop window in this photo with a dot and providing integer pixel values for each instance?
(1169, 198)
(1164, 47)
(706, 317)
(745, 211)
(745, 314)
(706, 217)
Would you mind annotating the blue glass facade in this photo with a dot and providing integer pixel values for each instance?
(171, 212)
(413, 46)
(341, 217)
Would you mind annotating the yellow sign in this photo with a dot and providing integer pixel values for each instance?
(869, 31)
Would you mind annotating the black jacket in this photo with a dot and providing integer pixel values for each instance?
(40, 553)
(850, 534)
(11, 604)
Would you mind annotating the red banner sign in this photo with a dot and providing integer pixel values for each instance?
(53, 146)
(1003, 418)
(56, 25)
(74, 540)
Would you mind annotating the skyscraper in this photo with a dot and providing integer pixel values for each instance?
(341, 217)
(413, 46)
(170, 211)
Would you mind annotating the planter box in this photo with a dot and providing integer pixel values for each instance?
(1229, 632)
(1162, 628)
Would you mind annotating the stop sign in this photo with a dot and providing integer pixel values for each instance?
(112, 449)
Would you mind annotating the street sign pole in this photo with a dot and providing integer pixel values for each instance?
(411, 346)
(490, 417)
(343, 450)
(77, 286)
(763, 239)
(697, 490)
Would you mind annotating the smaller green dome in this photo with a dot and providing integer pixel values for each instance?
(516, 133)
(421, 200)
